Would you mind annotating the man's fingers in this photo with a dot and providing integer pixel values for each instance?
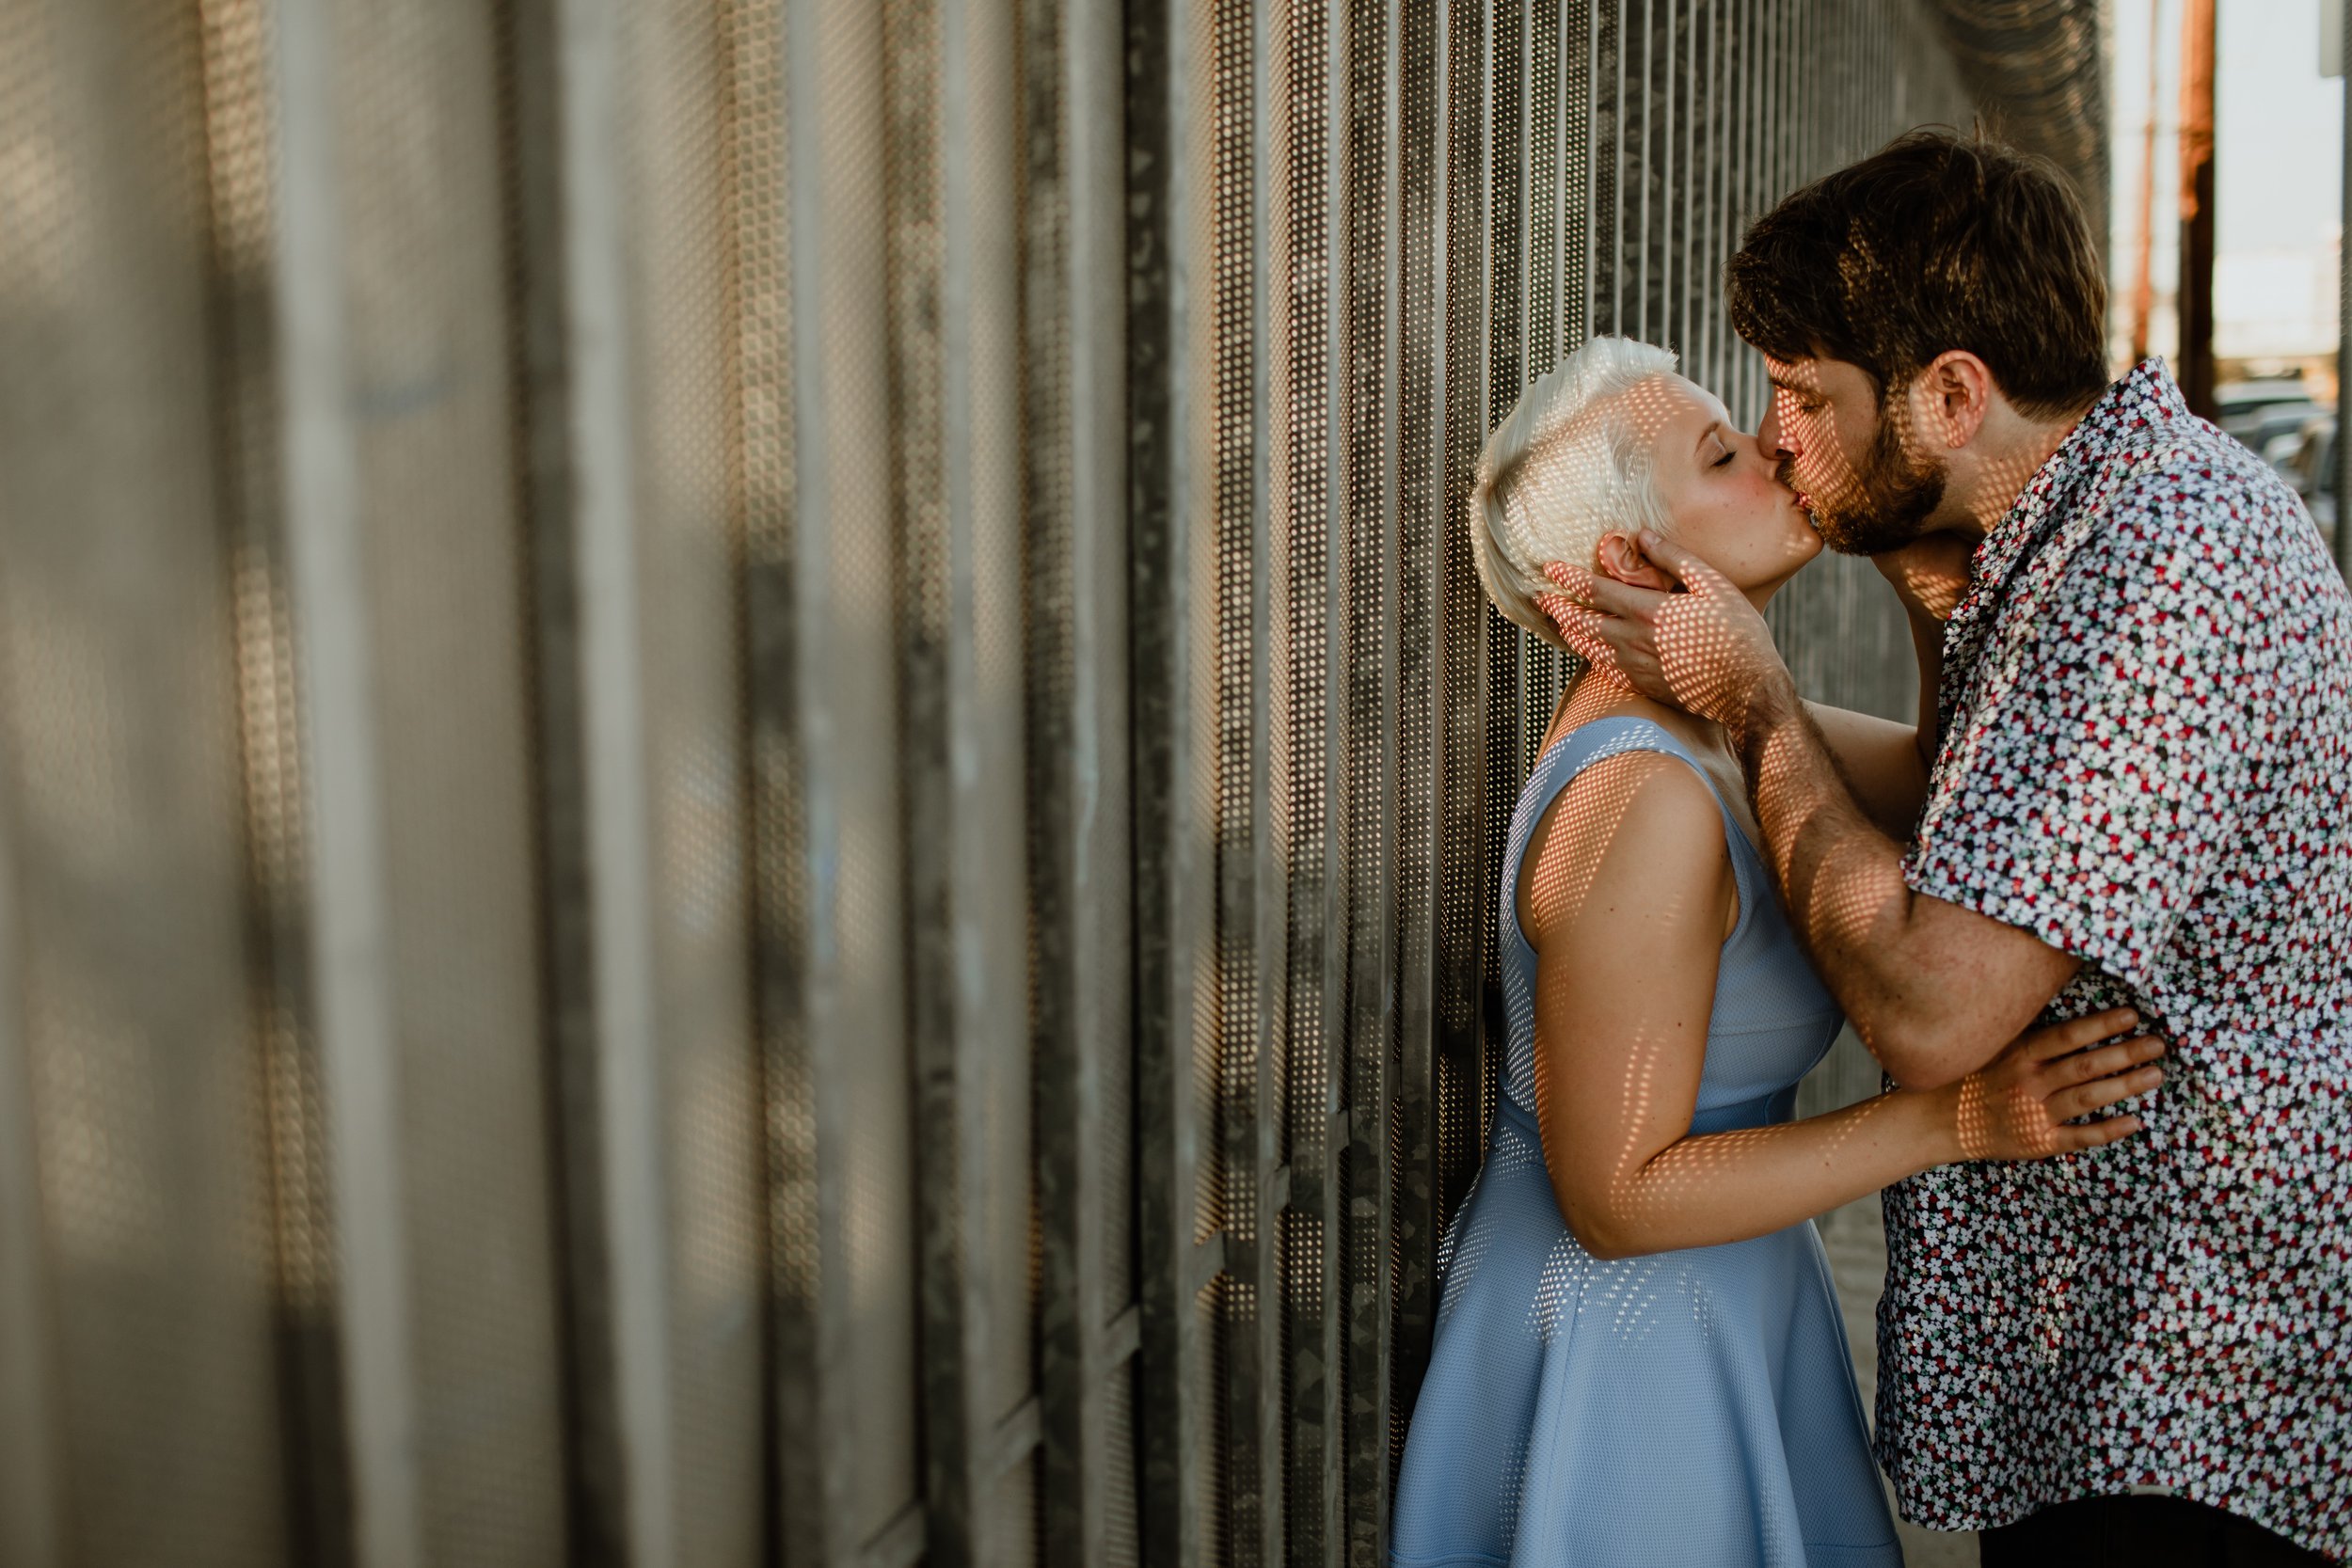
(1578, 627)
(1667, 556)
(1569, 579)
(1671, 558)
(1622, 600)
(1574, 620)
(1605, 594)
(2060, 1039)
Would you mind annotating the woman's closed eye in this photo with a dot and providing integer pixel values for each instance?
(1724, 459)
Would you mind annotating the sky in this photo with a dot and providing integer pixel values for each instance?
(2277, 177)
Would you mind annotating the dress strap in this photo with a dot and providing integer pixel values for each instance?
(1578, 750)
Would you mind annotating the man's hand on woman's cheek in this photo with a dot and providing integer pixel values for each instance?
(1703, 648)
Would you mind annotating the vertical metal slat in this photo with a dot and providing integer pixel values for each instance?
(1462, 877)
(626, 1074)
(796, 954)
(596, 1514)
(357, 1039)
(1072, 1364)
(1420, 383)
(928, 463)
(1306, 552)
(1368, 201)
(1252, 972)
(1158, 511)
(32, 1500)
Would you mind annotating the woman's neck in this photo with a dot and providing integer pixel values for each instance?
(1603, 694)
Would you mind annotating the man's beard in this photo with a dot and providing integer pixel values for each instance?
(1886, 503)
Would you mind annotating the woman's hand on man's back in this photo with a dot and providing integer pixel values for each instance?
(2023, 1105)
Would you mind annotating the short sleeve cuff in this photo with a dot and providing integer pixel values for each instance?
(2039, 907)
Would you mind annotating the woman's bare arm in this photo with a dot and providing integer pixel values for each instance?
(1624, 888)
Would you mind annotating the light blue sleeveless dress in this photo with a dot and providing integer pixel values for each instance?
(1692, 1409)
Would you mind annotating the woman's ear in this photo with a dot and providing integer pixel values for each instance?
(1621, 559)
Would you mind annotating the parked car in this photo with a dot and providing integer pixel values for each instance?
(2264, 426)
(2239, 403)
(2306, 459)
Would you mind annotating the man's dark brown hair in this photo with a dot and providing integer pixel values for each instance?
(1935, 241)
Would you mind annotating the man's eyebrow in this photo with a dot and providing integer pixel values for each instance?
(1787, 386)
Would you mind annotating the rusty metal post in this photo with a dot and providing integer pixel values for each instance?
(2197, 231)
(2344, 323)
(2143, 278)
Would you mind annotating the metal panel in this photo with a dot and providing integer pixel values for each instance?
(1307, 737)
(428, 382)
(532, 132)
(238, 128)
(1607, 282)
(1094, 341)
(1540, 667)
(796, 807)
(1070, 565)
(855, 834)
(33, 1502)
(876, 872)
(1236, 1018)
(927, 219)
(612, 1106)
(358, 1030)
(1009, 320)
(1506, 235)
(1368, 198)
(1161, 209)
(1059, 750)
(1415, 1187)
(136, 1365)
(1463, 876)
(698, 390)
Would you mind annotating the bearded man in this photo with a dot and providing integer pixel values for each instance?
(2136, 788)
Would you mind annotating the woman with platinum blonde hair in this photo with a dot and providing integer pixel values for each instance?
(1639, 1356)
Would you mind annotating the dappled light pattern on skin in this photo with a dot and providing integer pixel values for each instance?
(2139, 793)
(1659, 454)
(1635, 1256)
(1693, 639)
(2152, 775)
(2147, 734)
(1544, 1340)
(1864, 503)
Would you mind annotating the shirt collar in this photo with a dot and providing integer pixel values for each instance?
(2146, 396)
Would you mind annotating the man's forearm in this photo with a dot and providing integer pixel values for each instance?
(1840, 877)
(1927, 647)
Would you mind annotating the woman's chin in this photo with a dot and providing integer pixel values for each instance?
(1805, 544)
(1802, 553)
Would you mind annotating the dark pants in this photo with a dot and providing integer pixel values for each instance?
(2137, 1532)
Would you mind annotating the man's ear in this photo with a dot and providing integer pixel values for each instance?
(1621, 559)
(1951, 399)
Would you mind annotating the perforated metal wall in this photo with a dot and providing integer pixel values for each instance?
(750, 774)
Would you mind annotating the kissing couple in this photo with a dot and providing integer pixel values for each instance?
(2092, 912)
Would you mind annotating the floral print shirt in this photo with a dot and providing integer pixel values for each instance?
(2145, 759)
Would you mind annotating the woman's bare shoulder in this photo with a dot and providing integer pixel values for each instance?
(1639, 821)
